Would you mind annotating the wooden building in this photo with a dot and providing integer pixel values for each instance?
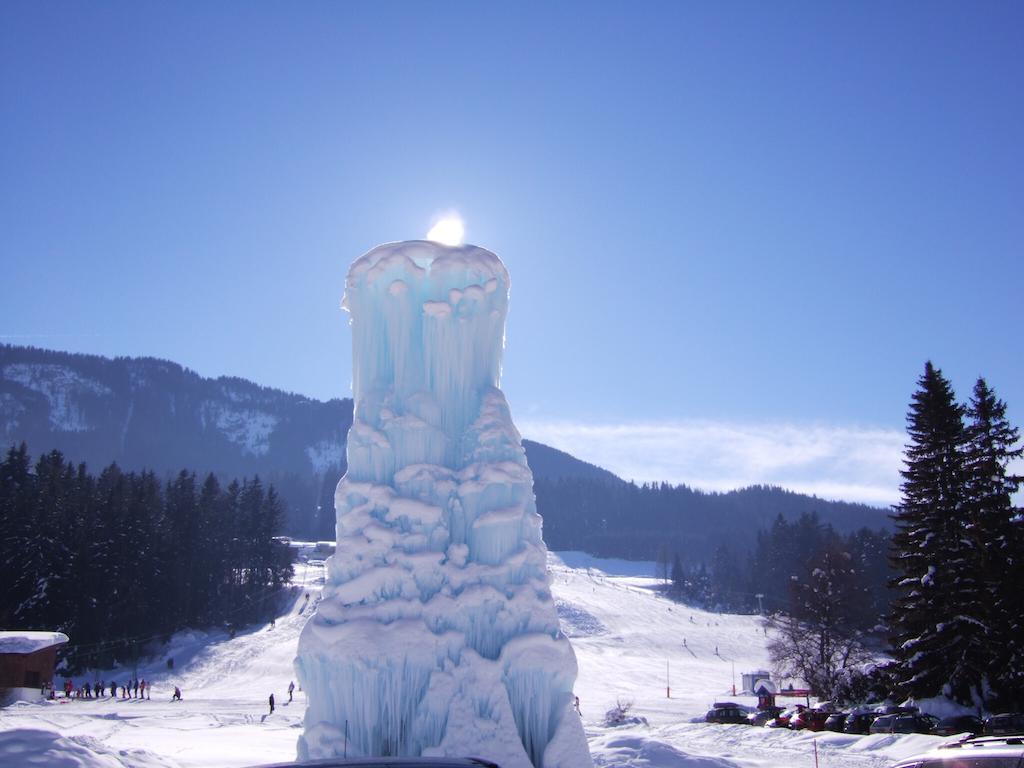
(27, 659)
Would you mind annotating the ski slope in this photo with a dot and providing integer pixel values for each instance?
(628, 642)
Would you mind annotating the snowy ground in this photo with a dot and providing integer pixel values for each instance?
(627, 640)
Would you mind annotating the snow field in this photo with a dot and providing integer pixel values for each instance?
(622, 634)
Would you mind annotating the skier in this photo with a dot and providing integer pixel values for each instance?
(136, 695)
(88, 690)
(291, 687)
(271, 703)
(577, 707)
(177, 694)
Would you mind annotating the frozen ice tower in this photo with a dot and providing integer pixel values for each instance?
(436, 634)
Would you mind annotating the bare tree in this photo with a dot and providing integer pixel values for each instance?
(816, 640)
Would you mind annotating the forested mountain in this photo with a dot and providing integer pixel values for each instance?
(152, 414)
(155, 415)
(638, 521)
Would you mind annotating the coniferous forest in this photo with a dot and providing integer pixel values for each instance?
(122, 559)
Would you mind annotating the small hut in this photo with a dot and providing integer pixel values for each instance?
(27, 659)
(765, 691)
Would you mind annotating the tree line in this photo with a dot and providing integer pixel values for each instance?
(122, 558)
(787, 555)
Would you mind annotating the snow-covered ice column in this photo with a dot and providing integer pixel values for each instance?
(436, 634)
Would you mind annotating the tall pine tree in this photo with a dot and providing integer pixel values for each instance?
(937, 636)
(997, 538)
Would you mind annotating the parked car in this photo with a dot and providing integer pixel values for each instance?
(950, 726)
(973, 753)
(859, 722)
(782, 721)
(726, 712)
(894, 709)
(762, 716)
(836, 721)
(809, 719)
(882, 724)
(914, 723)
(1007, 724)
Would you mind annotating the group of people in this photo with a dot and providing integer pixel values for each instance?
(132, 689)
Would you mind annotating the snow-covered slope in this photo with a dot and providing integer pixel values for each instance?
(623, 634)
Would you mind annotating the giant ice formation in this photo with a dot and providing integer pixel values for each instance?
(436, 634)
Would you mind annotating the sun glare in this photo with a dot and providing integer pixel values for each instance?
(448, 231)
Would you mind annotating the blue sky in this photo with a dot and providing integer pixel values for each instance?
(735, 230)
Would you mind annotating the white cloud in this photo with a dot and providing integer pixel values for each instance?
(833, 462)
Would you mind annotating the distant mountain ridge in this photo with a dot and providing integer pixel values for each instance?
(155, 414)
(145, 412)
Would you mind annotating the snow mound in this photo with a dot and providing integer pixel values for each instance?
(639, 751)
(28, 747)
